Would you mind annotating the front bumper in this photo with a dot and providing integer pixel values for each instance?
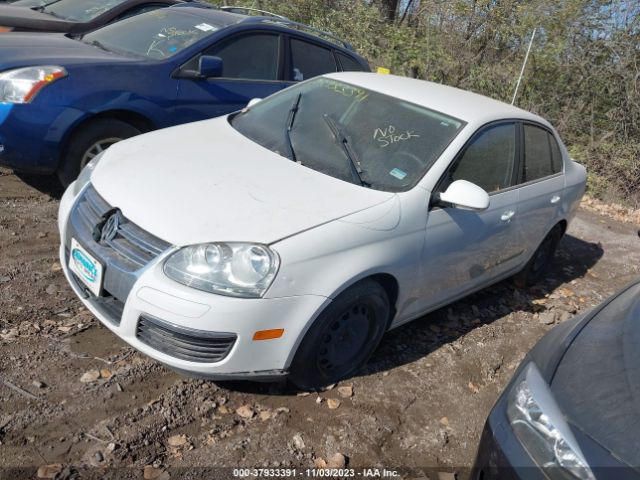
(500, 455)
(31, 135)
(152, 295)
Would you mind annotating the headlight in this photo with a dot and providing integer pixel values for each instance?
(85, 174)
(539, 424)
(235, 269)
(23, 84)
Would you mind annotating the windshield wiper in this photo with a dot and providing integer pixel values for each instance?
(342, 140)
(45, 4)
(97, 43)
(53, 14)
(287, 132)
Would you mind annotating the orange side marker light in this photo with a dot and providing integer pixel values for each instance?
(268, 334)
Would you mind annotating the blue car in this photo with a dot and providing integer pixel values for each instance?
(64, 99)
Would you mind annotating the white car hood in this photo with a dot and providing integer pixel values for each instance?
(205, 182)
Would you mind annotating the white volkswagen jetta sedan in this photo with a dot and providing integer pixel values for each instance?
(287, 238)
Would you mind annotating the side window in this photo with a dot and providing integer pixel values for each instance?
(556, 156)
(348, 64)
(538, 162)
(308, 60)
(489, 160)
(252, 57)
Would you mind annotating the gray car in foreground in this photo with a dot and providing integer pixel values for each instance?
(572, 409)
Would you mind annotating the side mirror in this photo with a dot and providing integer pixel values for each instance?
(210, 66)
(253, 101)
(467, 195)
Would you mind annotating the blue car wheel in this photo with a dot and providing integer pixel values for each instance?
(89, 141)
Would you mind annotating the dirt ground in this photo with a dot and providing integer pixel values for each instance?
(74, 397)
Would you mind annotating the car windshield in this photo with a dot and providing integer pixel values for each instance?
(157, 34)
(79, 10)
(350, 133)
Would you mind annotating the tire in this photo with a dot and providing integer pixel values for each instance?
(343, 337)
(87, 142)
(535, 267)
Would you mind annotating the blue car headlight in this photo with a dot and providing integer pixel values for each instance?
(541, 428)
(21, 85)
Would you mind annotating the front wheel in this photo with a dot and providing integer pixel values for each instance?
(533, 270)
(343, 337)
(90, 141)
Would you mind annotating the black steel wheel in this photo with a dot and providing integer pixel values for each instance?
(535, 267)
(343, 337)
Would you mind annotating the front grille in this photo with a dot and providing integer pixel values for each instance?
(130, 250)
(133, 247)
(185, 343)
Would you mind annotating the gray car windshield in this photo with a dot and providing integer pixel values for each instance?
(350, 133)
(79, 10)
(157, 34)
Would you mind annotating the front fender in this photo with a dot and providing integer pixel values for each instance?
(326, 260)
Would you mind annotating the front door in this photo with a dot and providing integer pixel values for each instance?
(251, 69)
(465, 250)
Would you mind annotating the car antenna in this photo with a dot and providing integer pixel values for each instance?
(524, 65)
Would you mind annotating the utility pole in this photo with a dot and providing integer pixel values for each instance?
(524, 65)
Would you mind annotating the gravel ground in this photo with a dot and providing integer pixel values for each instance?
(77, 402)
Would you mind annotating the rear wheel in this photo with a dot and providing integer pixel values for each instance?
(533, 270)
(88, 142)
(343, 337)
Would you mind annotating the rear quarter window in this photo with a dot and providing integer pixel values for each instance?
(348, 64)
(556, 154)
(538, 158)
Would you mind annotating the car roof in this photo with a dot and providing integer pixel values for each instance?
(461, 104)
(225, 18)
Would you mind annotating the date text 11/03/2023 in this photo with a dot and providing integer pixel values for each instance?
(315, 473)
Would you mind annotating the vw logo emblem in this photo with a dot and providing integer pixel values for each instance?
(110, 228)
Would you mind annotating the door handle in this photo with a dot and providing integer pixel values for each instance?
(555, 199)
(507, 216)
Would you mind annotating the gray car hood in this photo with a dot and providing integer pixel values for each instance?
(597, 384)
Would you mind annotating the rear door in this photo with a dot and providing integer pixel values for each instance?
(252, 68)
(467, 249)
(541, 184)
